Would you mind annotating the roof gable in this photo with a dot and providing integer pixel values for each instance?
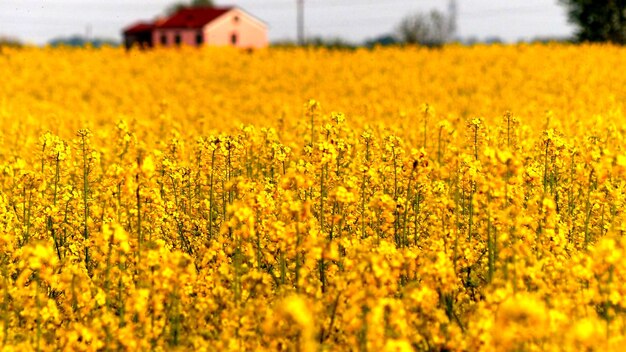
(140, 27)
(193, 17)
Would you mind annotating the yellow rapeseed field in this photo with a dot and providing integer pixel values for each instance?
(395, 199)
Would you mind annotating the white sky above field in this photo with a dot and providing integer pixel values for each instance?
(37, 21)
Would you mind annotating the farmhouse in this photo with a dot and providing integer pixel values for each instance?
(198, 26)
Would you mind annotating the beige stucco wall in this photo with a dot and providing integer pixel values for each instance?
(250, 32)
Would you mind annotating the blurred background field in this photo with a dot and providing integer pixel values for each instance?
(213, 89)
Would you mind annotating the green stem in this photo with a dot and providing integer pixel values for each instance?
(27, 213)
(298, 240)
(210, 220)
(38, 304)
(85, 203)
(406, 211)
(490, 243)
(545, 167)
(139, 232)
(425, 125)
(322, 265)
(476, 142)
(588, 210)
(471, 211)
(439, 145)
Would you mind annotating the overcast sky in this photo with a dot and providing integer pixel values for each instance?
(37, 21)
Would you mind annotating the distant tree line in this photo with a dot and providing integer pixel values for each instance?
(598, 20)
(81, 41)
(193, 3)
(595, 21)
(10, 42)
(431, 29)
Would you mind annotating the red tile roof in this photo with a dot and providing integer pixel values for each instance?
(140, 27)
(193, 17)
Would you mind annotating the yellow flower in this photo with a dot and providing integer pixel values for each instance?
(147, 166)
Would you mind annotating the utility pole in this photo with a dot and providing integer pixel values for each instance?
(453, 14)
(88, 32)
(300, 25)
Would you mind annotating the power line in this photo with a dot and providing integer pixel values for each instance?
(504, 11)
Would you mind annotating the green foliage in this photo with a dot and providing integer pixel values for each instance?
(332, 43)
(193, 3)
(80, 41)
(10, 42)
(329, 43)
(598, 21)
(432, 29)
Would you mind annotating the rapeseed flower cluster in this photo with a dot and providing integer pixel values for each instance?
(401, 199)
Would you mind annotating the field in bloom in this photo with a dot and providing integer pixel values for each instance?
(402, 199)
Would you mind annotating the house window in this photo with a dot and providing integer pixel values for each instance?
(199, 38)
(236, 19)
(177, 39)
(163, 39)
(233, 39)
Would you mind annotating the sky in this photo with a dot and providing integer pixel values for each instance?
(38, 21)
